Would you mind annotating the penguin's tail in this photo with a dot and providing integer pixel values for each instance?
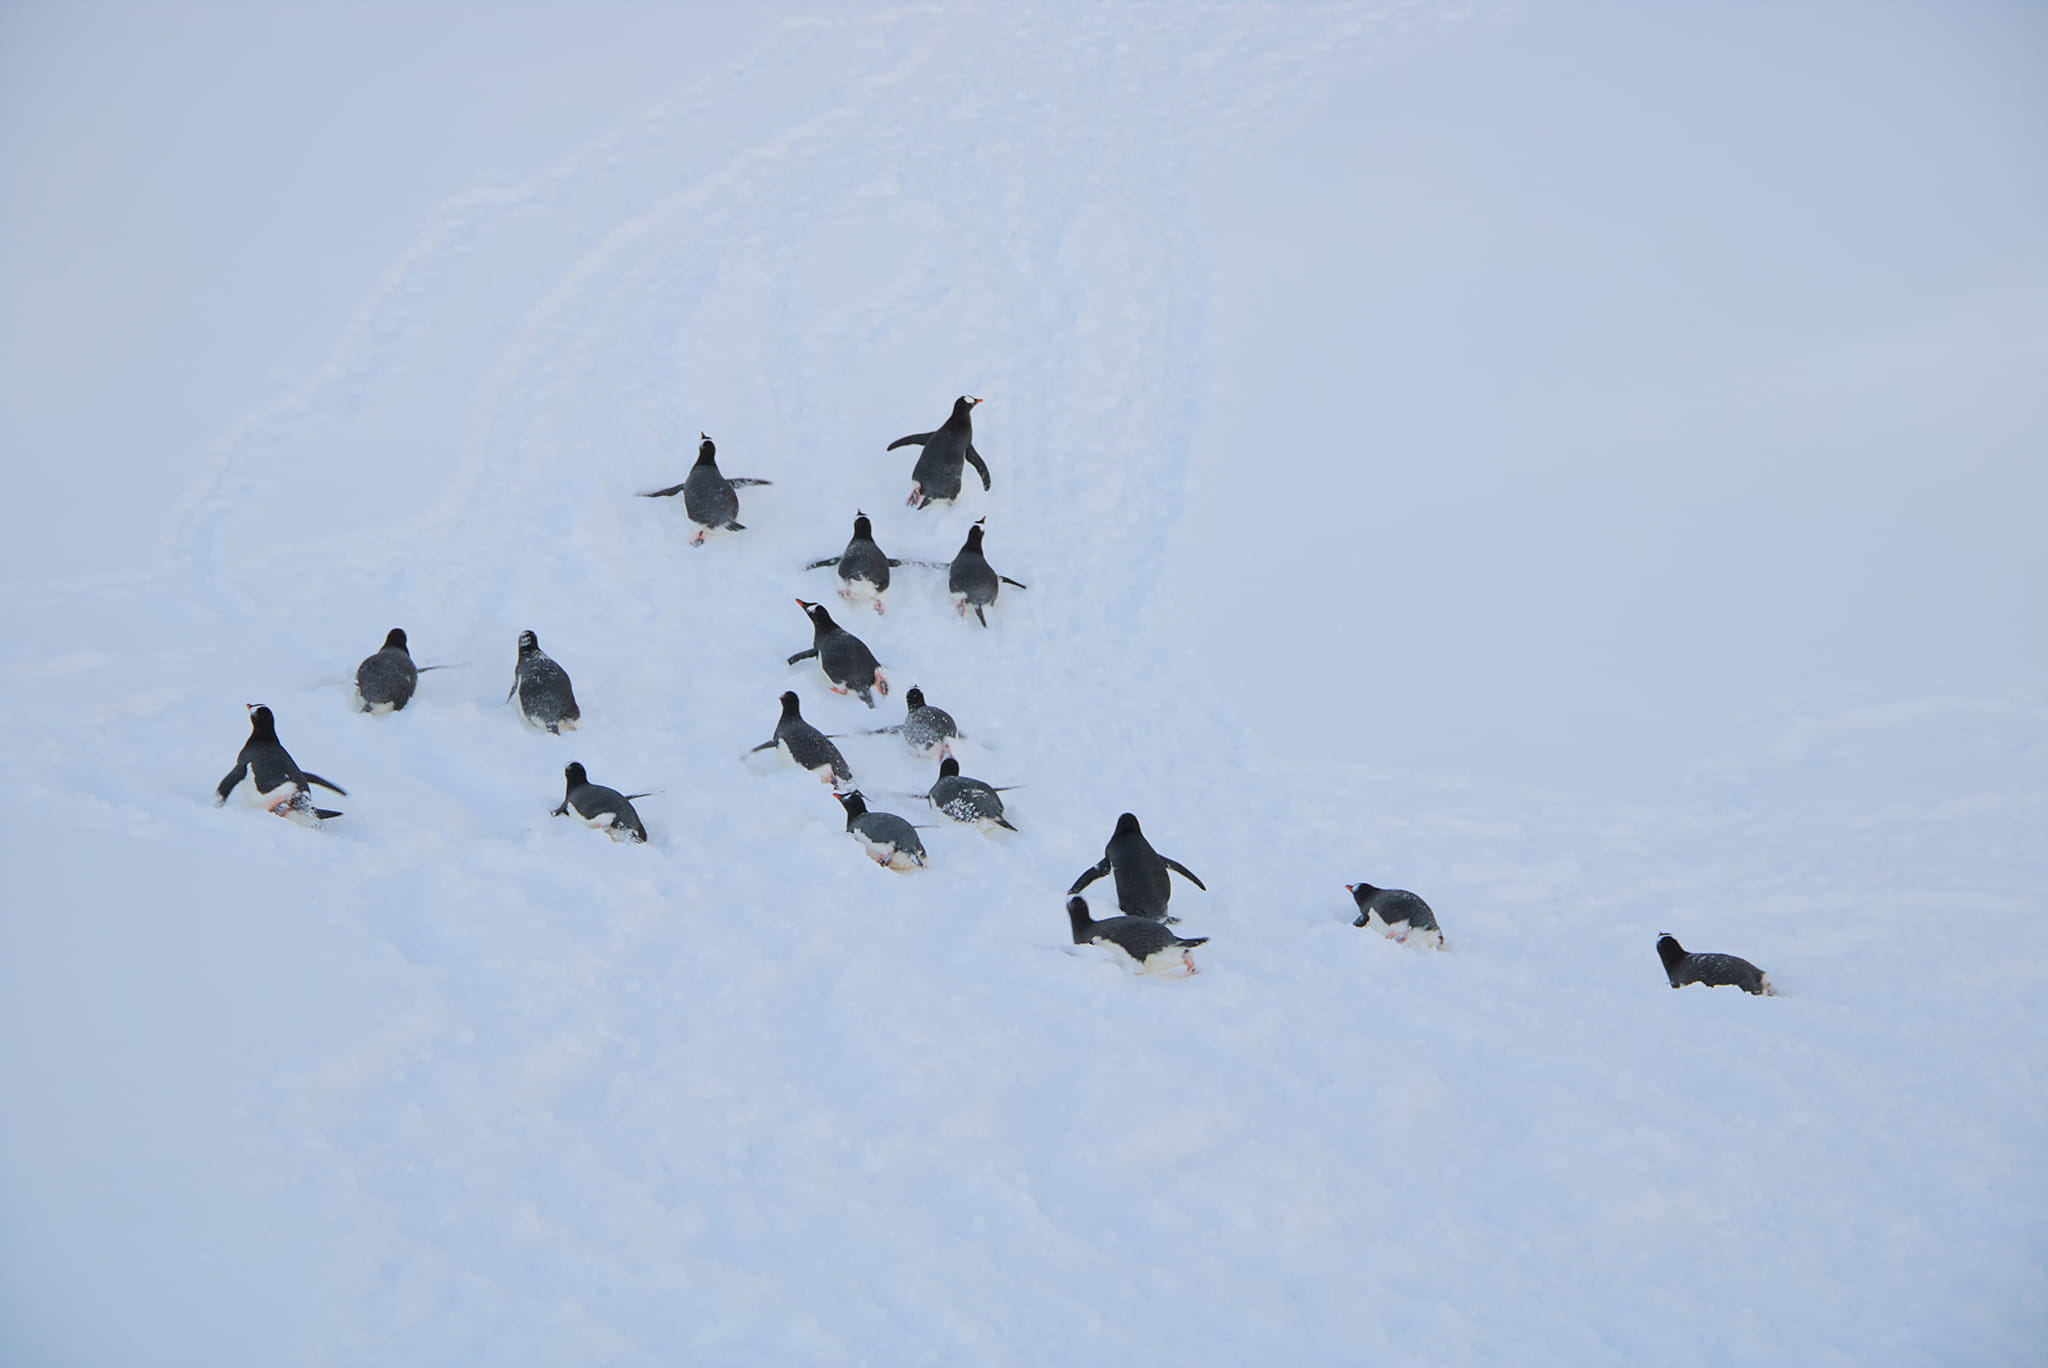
(325, 814)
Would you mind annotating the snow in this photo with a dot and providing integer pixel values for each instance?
(1580, 464)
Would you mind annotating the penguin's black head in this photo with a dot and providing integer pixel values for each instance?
(862, 528)
(1077, 914)
(575, 773)
(948, 767)
(395, 640)
(1670, 951)
(262, 723)
(974, 536)
(707, 451)
(914, 699)
(528, 642)
(816, 613)
(1361, 893)
(789, 703)
(963, 407)
(854, 804)
(1127, 825)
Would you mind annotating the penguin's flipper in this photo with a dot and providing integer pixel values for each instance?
(662, 493)
(829, 560)
(769, 744)
(313, 778)
(1090, 876)
(732, 526)
(631, 796)
(227, 785)
(737, 481)
(914, 439)
(974, 459)
(1184, 872)
(1007, 580)
(803, 655)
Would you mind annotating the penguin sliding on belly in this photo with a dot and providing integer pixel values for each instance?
(607, 809)
(847, 663)
(928, 731)
(266, 776)
(385, 681)
(1150, 947)
(546, 700)
(708, 498)
(1715, 971)
(804, 746)
(967, 800)
(889, 840)
(936, 477)
(863, 569)
(1405, 916)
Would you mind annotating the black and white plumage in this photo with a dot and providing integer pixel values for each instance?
(844, 659)
(1715, 971)
(266, 776)
(889, 840)
(546, 699)
(928, 731)
(385, 681)
(967, 800)
(971, 580)
(1151, 948)
(1402, 915)
(1142, 889)
(708, 498)
(936, 476)
(862, 566)
(804, 746)
(607, 809)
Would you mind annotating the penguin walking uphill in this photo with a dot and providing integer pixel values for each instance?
(266, 776)
(708, 498)
(1150, 947)
(804, 746)
(847, 663)
(546, 700)
(889, 840)
(1405, 916)
(1682, 967)
(863, 569)
(1142, 889)
(385, 681)
(971, 580)
(607, 809)
(936, 476)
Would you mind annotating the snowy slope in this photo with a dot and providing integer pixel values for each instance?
(450, 1081)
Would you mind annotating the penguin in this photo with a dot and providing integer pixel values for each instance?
(266, 776)
(385, 681)
(607, 809)
(889, 840)
(708, 498)
(971, 580)
(926, 730)
(1151, 948)
(805, 746)
(546, 700)
(936, 477)
(966, 800)
(1682, 967)
(1403, 914)
(863, 569)
(847, 663)
(1142, 889)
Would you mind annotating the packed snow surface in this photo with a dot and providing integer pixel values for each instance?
(1581, 465)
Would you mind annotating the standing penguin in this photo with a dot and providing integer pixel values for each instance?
(966, 800)
(266, 776)
(889, 840)
(936, 476)
(1715, 971)
(848, 665)
(971, 580)
(1142, 889)
(863, 569)
(1151, 948)
(385, 681)
(1404, 915)
(546, 700)
(804, 746)
(708, 498)
(607, 809)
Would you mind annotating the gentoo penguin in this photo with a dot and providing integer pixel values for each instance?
(863, 569)
(708, 498)
(889, 840)
(385, 681)
(266, 776)
(936, 477)
(804, 746)
(966, 800)
(1141, 886)
(847, 663)
(1151, 948)
(1682, 968)
(971, 580)
(545, 699)
(1402, 913)
(607, 809)
(925, 729)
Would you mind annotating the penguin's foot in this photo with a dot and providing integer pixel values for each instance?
(881, 685)
(697, 540)
(915, 494)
